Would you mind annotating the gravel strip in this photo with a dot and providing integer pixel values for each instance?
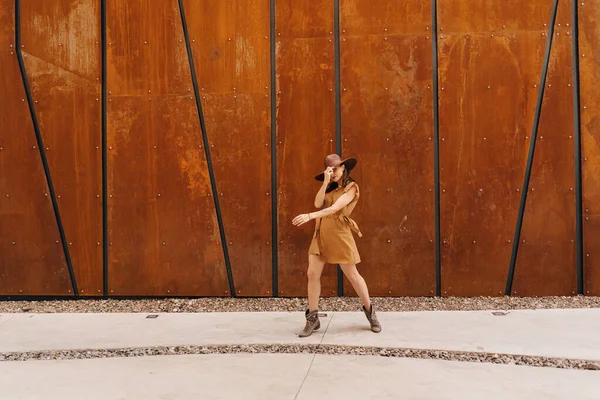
(213, 304)
(507, 359)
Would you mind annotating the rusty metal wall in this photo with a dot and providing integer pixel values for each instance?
(218, 116)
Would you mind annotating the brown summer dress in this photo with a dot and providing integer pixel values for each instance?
(333, 239)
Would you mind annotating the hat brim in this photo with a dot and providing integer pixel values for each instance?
(350, 163)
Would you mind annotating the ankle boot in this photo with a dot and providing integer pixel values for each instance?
(372, 317)
(312, 323)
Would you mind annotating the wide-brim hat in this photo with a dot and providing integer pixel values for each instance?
(333, 160)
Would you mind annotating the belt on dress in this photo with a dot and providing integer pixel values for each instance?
(344, 218)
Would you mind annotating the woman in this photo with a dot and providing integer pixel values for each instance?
(332, 241)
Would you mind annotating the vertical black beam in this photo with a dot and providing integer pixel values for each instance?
(338, 110)
(536, 123)
(40, 145)
(577, 136)
(436, 148)
(104, 151)
(274, 220)
(211, 172)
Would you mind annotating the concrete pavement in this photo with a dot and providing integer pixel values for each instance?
(551, 333)
(288, 376)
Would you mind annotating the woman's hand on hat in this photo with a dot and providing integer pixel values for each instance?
(328, 174)
(301, 219)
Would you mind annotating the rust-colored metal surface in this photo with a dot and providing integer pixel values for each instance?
(164, 237)
(163, 220)
(231, 54)
(31, 257)
(589, 58)
(546, 263)
(60, 39)
(305, 131)
(488, 92)
(387, 123)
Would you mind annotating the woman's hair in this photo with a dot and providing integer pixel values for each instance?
(346, 180)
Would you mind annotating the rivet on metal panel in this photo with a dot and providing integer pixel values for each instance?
(386, 88)
(343, 40)
(484, 138)
(523, 241)
(110, 43)
(150, 99)
(442, 88)
(97, 99)
(532, 189)
(443, 139)
(158, 195)
(571, 189)
(430, 241)
(585, 159)
(70, 244)
(508, 240)
(427, 28)
(583, 55)
(221, 194)
(481, 190)
(492, 35)
(441, 36)
(14, 243)
(193, 40)
(281, 242)
(97, 243)
(164, 243)
(585, 107)
(518, 190)
(145, 42)
(279, 34)
(389, 241)
(267, 193)
(587, 218)
(110, 195)
(443, 190)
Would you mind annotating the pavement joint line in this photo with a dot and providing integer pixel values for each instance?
(314, 356)
(443, 355)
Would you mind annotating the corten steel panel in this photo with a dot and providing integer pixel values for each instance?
(488, 91)
(305, 131)
(387, 123)
(32, 261)
(230, 41)
(239, 129)
(231, 55)
(507, 16)
(146, 48)
(385, 17)
(304, 19)
(546, 262)
(589, 59)
(63, 67)
(163, 231)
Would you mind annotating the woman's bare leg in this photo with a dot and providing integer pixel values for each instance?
(358, 283)
(315, 269)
